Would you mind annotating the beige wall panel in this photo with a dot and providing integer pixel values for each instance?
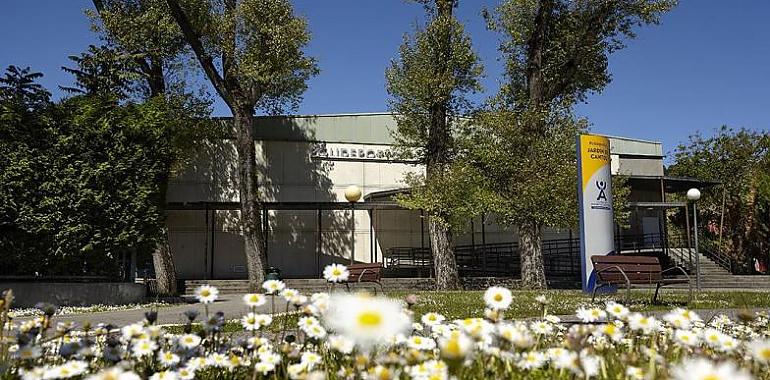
(229, 257)
(188, 250)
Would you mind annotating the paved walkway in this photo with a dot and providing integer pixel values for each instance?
(231, 305)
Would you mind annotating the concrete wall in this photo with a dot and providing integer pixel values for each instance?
(27, 294)
(300, 159)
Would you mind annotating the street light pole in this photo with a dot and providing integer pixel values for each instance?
(353, 194)
(694, 195)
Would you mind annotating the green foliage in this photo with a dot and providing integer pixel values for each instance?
(20, 95)
(260, 43)
(428, 74)
(429, 86)
(565, 42)
(531, 176)
(82, 181)
(740, 161)
(102, 71)
(555, 54)
(145, 33)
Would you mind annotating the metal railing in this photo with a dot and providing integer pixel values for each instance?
(561, 257)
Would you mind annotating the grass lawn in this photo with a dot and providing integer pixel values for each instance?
(462, 304)
(455, 305)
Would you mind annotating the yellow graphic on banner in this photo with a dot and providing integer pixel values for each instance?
(594, 154)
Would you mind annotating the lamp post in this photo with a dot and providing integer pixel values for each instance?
(694, 195)
(353, 194)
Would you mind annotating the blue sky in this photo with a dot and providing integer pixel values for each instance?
(706, 65)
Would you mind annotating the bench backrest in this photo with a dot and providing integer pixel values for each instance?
(639, 269)
(371, 272)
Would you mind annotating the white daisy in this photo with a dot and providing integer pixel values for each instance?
(254, 299)
(456, 345)
(686, 338)
(114, 373)
(431, 319)
(336, 273)
(164, 375)
(498, 298)
(206, 294)
(168, 358)
(189, 341)
(616, 310)
(366, 320)
(703, 369)
(591, 315)
(273, 286)
(143, 347)
(760, 350)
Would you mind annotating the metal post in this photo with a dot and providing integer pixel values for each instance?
(697, 252)
(484, 244)
(266, 233)
(371, 236)
(352, 233)
(319, 236)
(213, 230)
(206, 246)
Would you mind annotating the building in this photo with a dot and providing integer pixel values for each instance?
(307, 162)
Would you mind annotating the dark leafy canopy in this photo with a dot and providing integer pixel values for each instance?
(20, 93)
(531, 177)
(740, 161)
(145, 32)
(80, 182)
(102, 71)
(436, 71)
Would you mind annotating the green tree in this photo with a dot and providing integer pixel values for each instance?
(145, 32)
(252, 53)
(80, 181)
(555, 54)
(429, 83)
(740, 161)
(150, 47)
(101, 71)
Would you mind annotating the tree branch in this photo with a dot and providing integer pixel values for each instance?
(149, 70)
(229, 42)
(207, 63)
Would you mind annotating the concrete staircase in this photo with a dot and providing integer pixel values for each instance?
(308, 286)
(714, 276)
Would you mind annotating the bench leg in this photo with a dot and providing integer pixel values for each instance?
(347, 286)
(655, 297)
(593, 293)
(382, 290)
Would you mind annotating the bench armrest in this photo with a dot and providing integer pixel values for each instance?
(677, 268)
(628, 282)
(360, 276)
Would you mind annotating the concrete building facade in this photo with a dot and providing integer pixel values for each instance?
(305, 164)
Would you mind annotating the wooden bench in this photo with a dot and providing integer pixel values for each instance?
(634, 270)
(365, 273)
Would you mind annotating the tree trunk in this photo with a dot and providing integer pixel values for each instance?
(443, 256)
(251, 217)
(165, 271)
(162, 260)
(437, 159)
(530, 250)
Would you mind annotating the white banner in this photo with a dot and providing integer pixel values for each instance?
(597, 227)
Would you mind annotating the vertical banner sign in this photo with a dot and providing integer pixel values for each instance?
(597, 232)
